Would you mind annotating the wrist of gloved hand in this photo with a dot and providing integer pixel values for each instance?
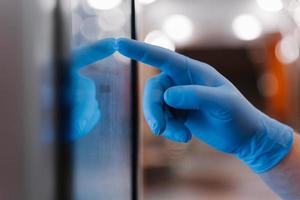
(268, 146)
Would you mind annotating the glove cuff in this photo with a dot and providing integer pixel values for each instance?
(268, 147)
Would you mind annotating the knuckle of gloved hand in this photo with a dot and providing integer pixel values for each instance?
(174, 97)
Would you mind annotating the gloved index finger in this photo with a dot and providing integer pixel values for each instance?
(93, 53)
(163, 59)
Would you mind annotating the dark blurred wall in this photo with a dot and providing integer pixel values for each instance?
(236, 65)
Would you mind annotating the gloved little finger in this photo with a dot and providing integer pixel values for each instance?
(153, 102)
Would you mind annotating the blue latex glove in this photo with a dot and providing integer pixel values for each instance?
(85, 109)
(191, 98)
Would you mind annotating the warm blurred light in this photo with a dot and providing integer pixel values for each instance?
(270, 5)
(114, 20)
(246, 27)
(103, 4)
(178, 27)
(158, 38)
(90, 29)
(287, 50)
(146, 1)
(267, 85)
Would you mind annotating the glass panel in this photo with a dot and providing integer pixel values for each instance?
(101, 158)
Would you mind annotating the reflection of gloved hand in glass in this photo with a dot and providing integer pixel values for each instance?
(85, 110)
(191, 98)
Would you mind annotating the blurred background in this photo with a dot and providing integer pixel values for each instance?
(255, 44)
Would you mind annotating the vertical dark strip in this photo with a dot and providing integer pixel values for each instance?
(134, 113)
(63, 149)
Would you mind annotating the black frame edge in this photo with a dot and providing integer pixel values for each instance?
(134, 114)
(63, 149)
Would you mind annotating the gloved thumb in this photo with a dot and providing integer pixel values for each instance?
(192, 97)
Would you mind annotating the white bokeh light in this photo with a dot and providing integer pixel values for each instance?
(179, 28)
(270, 5)
(287, 50)
(103, 4)
(246, 27)
(158, 38)
(145, 2)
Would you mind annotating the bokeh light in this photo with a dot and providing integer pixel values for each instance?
(158, 38)
(179, 28)
(270, 5)
(146, 1)
(267, 85)
(103, 4)
(246, 27)
(287, 50)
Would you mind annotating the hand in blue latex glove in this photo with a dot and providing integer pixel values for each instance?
(85, 110)
(191, 98)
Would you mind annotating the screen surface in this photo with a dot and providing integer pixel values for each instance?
(102, 158)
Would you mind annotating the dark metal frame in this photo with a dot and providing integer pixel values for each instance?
(134, 113)
(63, 149)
